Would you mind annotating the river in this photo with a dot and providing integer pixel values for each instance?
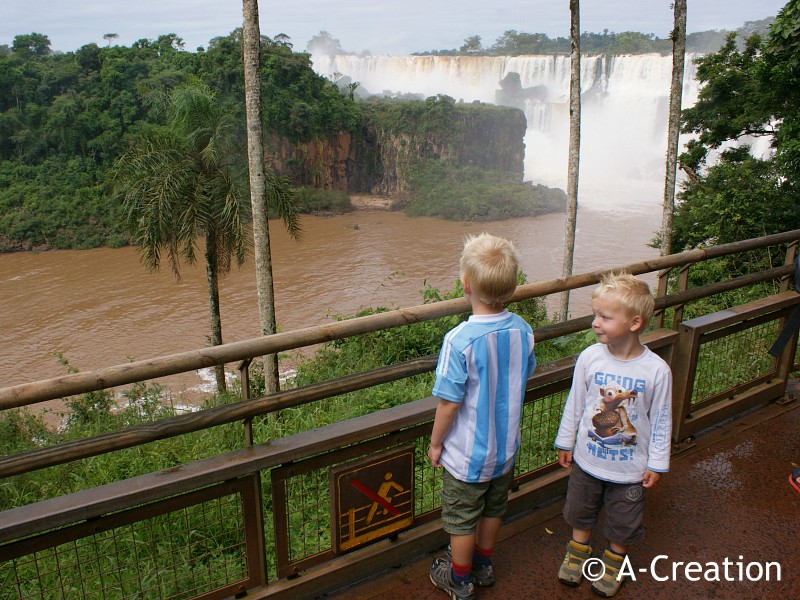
(101, 307)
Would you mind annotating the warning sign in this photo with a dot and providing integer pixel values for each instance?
(372, 498)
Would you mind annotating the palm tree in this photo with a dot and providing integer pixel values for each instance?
(179, 183)
(264, 186)
(574, 148)
(675, 95)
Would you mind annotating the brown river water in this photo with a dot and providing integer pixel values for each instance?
(101, 308)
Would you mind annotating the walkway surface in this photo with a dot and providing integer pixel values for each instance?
(726, 497)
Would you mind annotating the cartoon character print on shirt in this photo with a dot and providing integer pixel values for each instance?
(612, 426)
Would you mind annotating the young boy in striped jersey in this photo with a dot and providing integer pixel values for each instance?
(483, 368)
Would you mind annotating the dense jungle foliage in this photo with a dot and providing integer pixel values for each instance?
(455, 192)
(742, 164)
(65, 118)
(748, 96)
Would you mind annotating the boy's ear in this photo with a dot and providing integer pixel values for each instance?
(465, 286)
(636, 323)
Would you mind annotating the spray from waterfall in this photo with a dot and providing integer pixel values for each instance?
(624, 109)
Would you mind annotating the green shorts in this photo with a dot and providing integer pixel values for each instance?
(464, 504)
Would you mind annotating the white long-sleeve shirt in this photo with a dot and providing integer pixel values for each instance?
(618, 416)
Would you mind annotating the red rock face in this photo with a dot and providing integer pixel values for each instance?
(377, 162)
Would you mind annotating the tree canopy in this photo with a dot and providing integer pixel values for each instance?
(748, 101)
(514, 43)
(65, 118)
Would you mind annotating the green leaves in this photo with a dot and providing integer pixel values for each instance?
(178, 183)
(746, 94)
(446, 190)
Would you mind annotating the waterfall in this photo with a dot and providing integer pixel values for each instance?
(624, 108)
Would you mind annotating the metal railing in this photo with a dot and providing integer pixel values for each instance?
(280, 519)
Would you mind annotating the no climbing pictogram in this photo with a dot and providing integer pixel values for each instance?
(372, 498)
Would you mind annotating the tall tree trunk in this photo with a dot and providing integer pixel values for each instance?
(212, 273)
(251, 51)
(574, 148)
(675, 96)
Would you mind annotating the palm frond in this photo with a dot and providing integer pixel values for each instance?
(282, 198)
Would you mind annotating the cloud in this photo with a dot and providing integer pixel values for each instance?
(381, 26)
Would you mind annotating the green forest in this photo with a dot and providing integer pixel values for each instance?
(66, 117)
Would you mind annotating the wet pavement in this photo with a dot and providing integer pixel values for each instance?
(726, 504)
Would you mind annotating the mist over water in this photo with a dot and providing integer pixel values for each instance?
(624, 110)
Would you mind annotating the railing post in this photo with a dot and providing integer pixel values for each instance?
(244, 378)
(253, 521)
(683, 280)
(787, 362)
(683, 364)
(663, 282)
(791, 251)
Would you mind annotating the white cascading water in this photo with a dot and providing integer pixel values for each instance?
(624, 111)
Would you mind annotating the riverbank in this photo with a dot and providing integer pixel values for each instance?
(371, 202)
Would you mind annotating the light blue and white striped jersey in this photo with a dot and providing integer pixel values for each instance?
(484, 365)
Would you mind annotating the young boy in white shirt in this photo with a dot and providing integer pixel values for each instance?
(615, 431)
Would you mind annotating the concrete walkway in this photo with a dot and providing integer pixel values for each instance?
(726, 497)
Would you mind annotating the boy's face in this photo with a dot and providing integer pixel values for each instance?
(611, 323)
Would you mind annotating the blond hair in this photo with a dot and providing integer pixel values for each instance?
(489, 264)
(634, 294)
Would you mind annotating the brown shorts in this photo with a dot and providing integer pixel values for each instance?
(624, 506)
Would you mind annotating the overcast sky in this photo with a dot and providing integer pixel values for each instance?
(381, 26)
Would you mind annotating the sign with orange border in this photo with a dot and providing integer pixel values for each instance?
(372, 498)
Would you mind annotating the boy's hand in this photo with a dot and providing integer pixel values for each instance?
(434, 452)
(565, 458)
(650, 479)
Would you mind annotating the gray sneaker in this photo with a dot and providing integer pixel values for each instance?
(608, 585)
(482, 575)
(442, 577)
(571, 571)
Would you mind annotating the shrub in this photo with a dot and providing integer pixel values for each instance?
(316, 200)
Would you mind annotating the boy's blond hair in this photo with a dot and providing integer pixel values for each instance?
(489, 264)
(634, 294)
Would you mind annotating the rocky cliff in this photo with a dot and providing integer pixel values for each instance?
(396, 136)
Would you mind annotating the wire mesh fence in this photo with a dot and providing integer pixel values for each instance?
(185, 552)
